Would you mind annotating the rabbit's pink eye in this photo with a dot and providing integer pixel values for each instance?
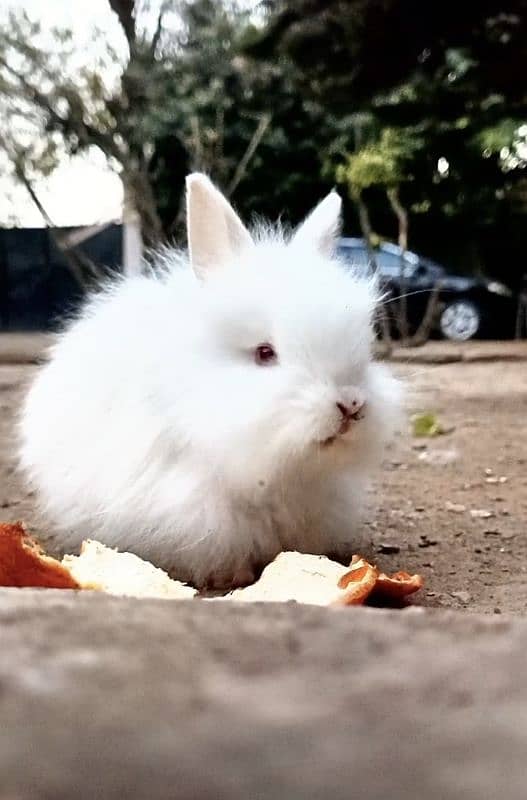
(265, 354)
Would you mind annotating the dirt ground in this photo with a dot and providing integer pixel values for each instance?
(453, 508)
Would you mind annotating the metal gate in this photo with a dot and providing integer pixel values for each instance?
(37, 287)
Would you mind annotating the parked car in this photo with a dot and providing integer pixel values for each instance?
(468, 307)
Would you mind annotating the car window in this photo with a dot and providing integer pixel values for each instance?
(356, 258)
(389, 265)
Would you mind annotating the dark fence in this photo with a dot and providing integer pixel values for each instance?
(37, 287)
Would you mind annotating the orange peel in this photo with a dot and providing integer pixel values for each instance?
(364, 579)
(358, 583)
(399, 585)
(24, 564)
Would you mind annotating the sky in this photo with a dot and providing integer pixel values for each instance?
(83, 190)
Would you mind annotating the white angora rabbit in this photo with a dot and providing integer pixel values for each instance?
(220, 410)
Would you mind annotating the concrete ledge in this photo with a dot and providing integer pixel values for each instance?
(23, 348)
(450, 352)
(115, 698)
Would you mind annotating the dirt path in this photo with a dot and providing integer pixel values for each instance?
(427, 503)
(427, 490)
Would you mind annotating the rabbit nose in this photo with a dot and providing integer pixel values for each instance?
(349, 410)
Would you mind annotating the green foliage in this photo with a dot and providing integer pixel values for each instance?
(426, 425)
(443, 74)
(384, 163)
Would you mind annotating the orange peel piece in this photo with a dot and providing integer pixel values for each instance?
(358, 583)
(24, 564)
(364, 579)
(399, 585)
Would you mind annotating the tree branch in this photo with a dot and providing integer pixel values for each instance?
(424, 330)
(86, 133)
(125, 11)
(256, 138)
(402, 216)
(159, 29)
(82, 268)
(402, 219)
(196, 142)
(367, 235)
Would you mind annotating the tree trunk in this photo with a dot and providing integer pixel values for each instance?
(520, 328)
(402, 216)
(132, 240)
(367, 235)
(424, 330)
(364, 220)
(402, 219)
(138, 191)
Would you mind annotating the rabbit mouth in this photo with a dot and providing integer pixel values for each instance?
(344, 428)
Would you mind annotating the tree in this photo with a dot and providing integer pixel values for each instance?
(57, 107)
(386, 163)
(155, 108)
(382, 163)
(447, 70)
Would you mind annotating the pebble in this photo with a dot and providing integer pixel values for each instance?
(462, 596)
(387, 548)
(426, 542)
(456, 508)
(481, 513)
(439, 458)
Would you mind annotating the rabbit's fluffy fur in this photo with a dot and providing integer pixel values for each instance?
(154, 429)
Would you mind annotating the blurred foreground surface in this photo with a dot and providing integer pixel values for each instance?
(113, 698)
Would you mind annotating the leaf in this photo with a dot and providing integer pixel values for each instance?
(426, 424)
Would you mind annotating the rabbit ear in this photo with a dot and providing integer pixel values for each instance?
(215, 232)
(321, 228)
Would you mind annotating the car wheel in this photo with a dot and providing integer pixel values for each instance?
(460, 320)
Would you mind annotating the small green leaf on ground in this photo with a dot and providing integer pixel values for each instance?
(426, 424)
